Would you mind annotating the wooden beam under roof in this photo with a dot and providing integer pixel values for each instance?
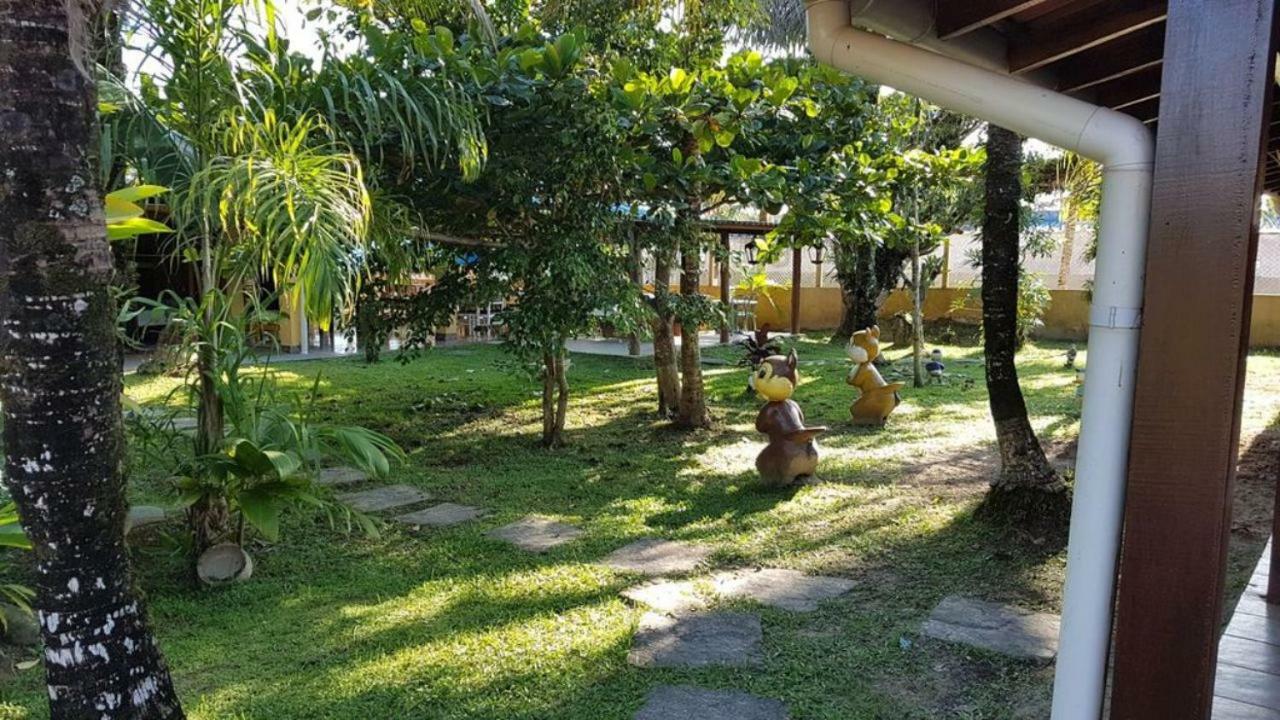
(1129, 90)
(1061, 35)
(1125, 56)
(957, 17)
(1148, 111)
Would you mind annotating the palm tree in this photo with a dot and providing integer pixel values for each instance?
(1028, 491)
(61, 395)
(257, 149)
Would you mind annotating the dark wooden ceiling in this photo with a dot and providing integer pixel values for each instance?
(1104, 51)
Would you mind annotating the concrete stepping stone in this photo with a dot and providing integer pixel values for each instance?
(671, 597)
(535, 534)
(1003, 629)
(141, 516)
(442, 515)
(697, 640)
(655, 557)
(670, 702)
(340, 476)
(380, 499)
(783, 589)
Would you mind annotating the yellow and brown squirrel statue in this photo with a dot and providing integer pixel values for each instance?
(876, 398)
(791, 453)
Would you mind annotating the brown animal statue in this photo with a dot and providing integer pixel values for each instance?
(876, 398)
(791, 453)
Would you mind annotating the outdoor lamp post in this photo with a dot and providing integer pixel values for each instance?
(817, 253)
(751, 253)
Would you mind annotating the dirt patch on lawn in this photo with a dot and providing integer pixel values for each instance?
(955, 475)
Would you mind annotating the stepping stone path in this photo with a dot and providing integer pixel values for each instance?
(385, 498)
(999, 628)
(141, 516)
(340, 476)
(671, 597)
(535, 534)
(783, 589)
(697, 640)
(655, 557)
(442, 515)
(690, 703)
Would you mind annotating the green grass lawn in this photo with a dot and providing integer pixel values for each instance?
(450, 624)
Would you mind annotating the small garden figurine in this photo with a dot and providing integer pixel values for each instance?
(791, 453)
(877, 398)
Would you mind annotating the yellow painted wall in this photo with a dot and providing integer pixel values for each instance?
(1067, 317)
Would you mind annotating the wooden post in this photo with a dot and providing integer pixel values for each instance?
(1216, 96)
(725, 297)
(796, 281)
(946, 262)
(1273, 576)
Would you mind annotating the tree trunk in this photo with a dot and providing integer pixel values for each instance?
(63, 435)
(635, 272)
(562, 401)
(1068, 250)
(917, 317)
(693, 401)
(548, 396)
(664, 346)
(855, 271)
(1027, 492)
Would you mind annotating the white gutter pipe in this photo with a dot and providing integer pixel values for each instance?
(1125, 148)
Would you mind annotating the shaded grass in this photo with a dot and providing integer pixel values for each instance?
(454, 625)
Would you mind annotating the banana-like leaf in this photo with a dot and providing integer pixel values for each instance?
(256, 462)
(135, 193)
(11, 534)
(133, 227)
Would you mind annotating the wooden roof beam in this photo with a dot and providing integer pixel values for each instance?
(1148, 111)
(1130, 54)
(957, 17)
(1055, 38)
(1129, 90)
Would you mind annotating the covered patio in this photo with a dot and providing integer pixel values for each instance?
(1176, 100)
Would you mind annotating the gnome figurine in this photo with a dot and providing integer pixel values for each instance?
(791, 454)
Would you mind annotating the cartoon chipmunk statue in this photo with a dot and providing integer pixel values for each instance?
(791, 453)
(877, 398)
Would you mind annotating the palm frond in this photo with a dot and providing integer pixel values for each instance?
(782, 27)
(293, 202)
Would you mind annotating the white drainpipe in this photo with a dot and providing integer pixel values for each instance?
(1125, 148)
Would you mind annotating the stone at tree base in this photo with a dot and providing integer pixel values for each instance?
(999, 628)
(783, 589)
(442, 515)
(141, 516)
(657, 557)
(535, 534)
(224, 564)
(339, 476)
(379, 499)
(690, 703)
(20, 628)
(698, 640)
